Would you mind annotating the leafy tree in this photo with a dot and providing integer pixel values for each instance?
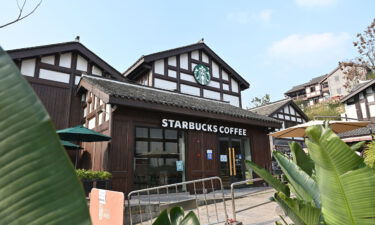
(261, 101)
(362, 66)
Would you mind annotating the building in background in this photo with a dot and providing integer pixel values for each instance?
(360, 105)
(288, 112)
(327, 87)
(312, 92)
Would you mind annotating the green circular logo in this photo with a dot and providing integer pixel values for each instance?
(202, 74)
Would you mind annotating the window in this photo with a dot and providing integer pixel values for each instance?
(338, 91)
(312, 89)
(155, 155)
(337, 78)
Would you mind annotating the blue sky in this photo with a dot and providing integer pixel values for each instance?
(273, 44)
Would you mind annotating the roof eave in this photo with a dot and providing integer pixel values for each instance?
(190, 112)
(354, 93)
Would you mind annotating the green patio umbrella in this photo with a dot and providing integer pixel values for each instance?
(69, 145)
(81, 134)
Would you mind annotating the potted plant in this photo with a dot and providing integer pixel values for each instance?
(103, 179)
(89, 177)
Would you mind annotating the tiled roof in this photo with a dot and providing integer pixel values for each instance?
(270, 108)
(302, 86)
(370, 129)
(124, 90)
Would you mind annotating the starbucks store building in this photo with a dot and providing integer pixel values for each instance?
(173, 116)
(179, 119)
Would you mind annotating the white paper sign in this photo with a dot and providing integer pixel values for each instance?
(223, 158)
(102, 194)
(209, 154)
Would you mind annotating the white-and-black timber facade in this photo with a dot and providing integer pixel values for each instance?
(166, 124)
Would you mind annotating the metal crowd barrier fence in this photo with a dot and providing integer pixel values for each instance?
(191, 195)
(232, 186)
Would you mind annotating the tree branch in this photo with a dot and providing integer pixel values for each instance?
(20, 17)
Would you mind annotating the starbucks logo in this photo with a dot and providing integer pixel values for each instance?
(202, 74)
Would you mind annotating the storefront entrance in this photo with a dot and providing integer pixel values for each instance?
(233, 152)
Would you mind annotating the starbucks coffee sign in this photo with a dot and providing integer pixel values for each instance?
(213, 128)
(202, 74)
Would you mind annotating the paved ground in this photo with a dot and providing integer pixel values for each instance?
(253, 207)
(257, 209)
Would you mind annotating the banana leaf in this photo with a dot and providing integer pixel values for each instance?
(176, 217)
(271, 180)
(346, 184)
(38, 184)
(300, 212)
(301, 159)
(357, 146)
(303, 185)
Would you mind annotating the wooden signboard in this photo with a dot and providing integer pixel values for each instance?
(106, 207)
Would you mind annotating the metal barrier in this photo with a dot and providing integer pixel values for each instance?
(232, 193)
(150, 205)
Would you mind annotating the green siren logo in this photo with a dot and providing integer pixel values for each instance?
(202, 74)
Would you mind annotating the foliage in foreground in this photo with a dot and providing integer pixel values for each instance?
(38, 183)
(176, 217)
(332, 185)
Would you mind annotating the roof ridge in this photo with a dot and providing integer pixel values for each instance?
(43, 46)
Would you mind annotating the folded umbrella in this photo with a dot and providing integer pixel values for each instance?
(69, 145)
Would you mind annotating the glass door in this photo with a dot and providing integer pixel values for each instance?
(231, 160)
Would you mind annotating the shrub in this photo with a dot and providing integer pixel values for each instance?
(93, 175)
(327, 108)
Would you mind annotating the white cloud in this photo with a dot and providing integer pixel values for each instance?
(311, 49)
(315, 3)
(265, 15)
(244, 17)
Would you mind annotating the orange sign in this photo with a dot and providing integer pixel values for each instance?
(106, 207)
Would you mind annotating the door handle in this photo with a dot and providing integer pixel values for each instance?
(230, 161)
(234, 162)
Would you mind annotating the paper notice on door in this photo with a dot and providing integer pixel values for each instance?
(223, 158)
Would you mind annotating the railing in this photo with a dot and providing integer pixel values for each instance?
(149, 204)
(232, 186)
